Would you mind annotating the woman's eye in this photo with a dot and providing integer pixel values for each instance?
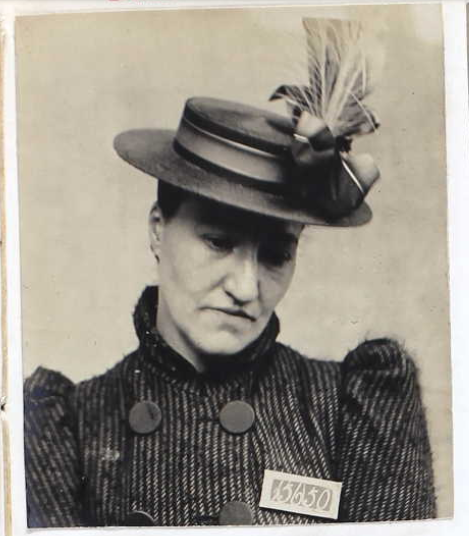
(219, 243)
(276, 256)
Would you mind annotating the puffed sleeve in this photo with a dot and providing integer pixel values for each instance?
(385, 460)
(53, 481)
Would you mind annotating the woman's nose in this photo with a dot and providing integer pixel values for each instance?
(242, 283)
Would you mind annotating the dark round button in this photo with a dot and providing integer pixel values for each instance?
(145, 417)
(237, 417)
(139, 518)
(235, 513)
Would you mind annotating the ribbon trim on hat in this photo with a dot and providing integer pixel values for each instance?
(326, 174)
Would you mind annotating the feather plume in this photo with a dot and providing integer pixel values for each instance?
(340, 69)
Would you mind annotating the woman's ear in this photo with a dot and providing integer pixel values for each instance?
(155, 229)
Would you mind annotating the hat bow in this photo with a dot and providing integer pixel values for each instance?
(325, 171)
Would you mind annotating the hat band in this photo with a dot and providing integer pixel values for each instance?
(229, 155)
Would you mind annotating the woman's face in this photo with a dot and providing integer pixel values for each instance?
(222, 272)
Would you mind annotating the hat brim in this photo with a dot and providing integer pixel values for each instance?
(151, 151)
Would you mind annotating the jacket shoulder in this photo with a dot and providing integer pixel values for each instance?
(379, 355)
(45, 383)
(370, 360)
(383, 437)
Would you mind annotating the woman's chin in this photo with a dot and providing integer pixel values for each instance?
(225, 344)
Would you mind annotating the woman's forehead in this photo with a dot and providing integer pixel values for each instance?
(210, 213)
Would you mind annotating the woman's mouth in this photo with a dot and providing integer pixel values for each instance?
(241, 313)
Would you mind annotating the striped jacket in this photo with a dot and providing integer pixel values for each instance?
(360, 422)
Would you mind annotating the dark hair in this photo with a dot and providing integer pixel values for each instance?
(169, 199)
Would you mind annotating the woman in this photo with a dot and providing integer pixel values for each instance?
(211, 421)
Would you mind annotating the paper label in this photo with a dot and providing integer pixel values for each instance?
(300, 494)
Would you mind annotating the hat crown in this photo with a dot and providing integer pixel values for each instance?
(241, 123)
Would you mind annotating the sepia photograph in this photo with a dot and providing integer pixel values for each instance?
(234, 266)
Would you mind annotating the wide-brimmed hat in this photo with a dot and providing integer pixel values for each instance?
(255, 160)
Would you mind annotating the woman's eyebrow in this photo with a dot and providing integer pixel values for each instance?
(285, 237)
(228, 222)
(216, 218)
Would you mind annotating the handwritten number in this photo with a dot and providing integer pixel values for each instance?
(301, 494)
(324, 499)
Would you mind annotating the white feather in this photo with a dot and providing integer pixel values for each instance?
(340, 67)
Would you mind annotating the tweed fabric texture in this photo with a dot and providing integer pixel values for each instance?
(360, 422)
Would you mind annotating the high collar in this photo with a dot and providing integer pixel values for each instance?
(165, 357)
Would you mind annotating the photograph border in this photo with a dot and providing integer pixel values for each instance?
(457, 119)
